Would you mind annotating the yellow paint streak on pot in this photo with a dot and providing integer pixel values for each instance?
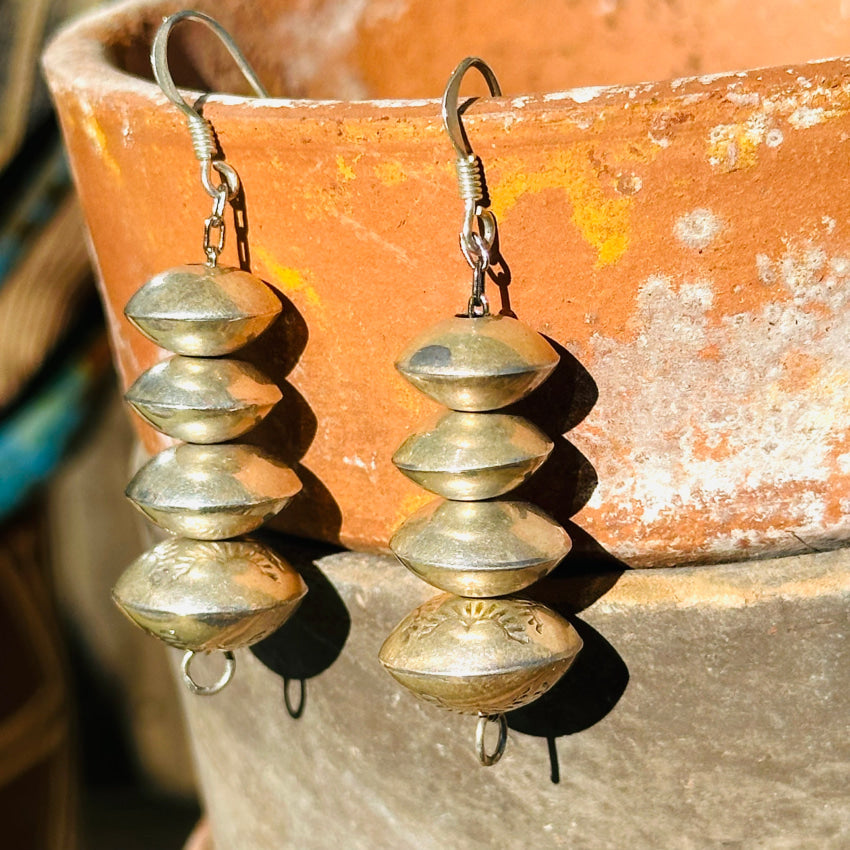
(601, 215)
(390, 173)
(735, 146)
(344, 170)
(286, 278)
(96, 135)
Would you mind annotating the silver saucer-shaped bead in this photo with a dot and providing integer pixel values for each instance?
(203, 311)
(477, 364)
(212, 492)
(469, 456)
(200, 400)
(480, 549)
(480, 656)
(204, 595)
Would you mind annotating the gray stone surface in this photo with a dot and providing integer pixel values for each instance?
(708, 709)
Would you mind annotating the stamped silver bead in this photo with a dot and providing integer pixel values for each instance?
(477, 364)
(203, 311)
(470, 456)
(480, 655)
(212, 492)
(202, 596)
(199, 400)
(480, 549)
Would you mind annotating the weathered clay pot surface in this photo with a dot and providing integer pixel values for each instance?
(707, 709)
(685, 242)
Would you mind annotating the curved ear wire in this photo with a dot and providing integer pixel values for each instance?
(203, 136)
(159, 58)
(451, 113)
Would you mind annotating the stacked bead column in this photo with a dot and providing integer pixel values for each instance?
(476, 649)
(204, 591)
(194, 594)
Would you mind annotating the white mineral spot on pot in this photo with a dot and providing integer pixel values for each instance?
(740, 98)
(774, 137)
(698, 228)
(806, 116)
(766, 270)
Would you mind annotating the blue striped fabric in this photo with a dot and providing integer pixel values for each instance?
(34, 438)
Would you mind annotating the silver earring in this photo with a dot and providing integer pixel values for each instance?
(475, 649)
(203, 591)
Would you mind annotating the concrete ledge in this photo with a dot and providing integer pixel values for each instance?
(709, 708)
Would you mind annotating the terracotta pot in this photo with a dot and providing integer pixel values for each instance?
(684, 244)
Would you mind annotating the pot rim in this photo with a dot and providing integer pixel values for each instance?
(77, 58)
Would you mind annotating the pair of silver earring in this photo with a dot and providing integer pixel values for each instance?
(475, 648)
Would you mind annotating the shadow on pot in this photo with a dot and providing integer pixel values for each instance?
(312, 639)
(565, 483)
(290, 427)
(562, 487)
(587, 693)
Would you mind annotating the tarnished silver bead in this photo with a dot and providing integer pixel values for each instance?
(470, 456)
(480, 549)
(202, 595)
(480, 655)
(477, 364)
(200, 400)
(212, 492)
(203, 311)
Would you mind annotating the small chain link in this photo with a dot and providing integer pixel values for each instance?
(215, 224)
(479, 260)
(478, 304)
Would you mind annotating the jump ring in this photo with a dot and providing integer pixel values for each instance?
(228, 174)
(477, 307)
(476, 250)
(207, 690)
(488, 759)
(220, 202)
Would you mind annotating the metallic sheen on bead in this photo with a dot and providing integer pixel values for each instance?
(199, 400)
(471, 456)
(202, 595)
(203, 311)
(212, 492)
(480, 655)
(480, 549)
(477, 364)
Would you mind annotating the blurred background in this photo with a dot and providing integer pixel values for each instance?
(92, 750)
(93, 754)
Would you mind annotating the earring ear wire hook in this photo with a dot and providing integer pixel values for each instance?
(159, 58)
(201, 131)
(478, 232)
(451, 112)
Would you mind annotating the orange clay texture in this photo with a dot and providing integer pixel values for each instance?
(685, 244)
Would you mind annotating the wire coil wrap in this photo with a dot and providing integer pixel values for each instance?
(470, 179)
(203, 137)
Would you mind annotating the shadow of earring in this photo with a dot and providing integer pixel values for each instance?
(312, 639)
(588, 691)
